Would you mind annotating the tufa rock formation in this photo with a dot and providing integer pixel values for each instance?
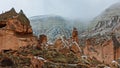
(69, 45)
(37, 63)
(15, 30)
(42, 41)
(103, 42)
(75, 35)
(103, 49)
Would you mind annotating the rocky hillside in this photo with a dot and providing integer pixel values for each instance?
(106, 22)
(105, 27)
(111, 11)
(103, 40)
(96, 48)
(53, 26)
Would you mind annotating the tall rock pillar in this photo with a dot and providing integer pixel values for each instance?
(75, 35)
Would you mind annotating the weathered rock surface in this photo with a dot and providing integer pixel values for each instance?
(67, 46)
(15, 30)
(37, 63)
(75, 35)
(42, 41)
(111, 11)
(103, 41)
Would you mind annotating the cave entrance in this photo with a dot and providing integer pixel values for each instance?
(6, 62)
(2, 25)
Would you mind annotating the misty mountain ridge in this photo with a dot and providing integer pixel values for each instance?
(54, 25)
(111, 11)
(43, 24)
(105, 23)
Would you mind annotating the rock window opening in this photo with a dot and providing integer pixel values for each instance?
(2, 25)
(6, 62)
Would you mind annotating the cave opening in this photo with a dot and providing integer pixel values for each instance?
(2, 25)
(6, 62)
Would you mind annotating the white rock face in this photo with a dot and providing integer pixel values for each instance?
(113, 10)
(52, 26)
(107, 22)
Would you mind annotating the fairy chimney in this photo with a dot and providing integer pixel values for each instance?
(75, 35)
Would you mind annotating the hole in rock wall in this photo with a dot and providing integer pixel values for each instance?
(2, 25)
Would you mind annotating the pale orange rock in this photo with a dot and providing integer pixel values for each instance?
(104, 52)
(42, 41)
(75, 35)
(15, 31)
(36, 63)
(76, 49)
(58, 44)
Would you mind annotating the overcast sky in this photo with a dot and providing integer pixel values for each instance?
(76, 9)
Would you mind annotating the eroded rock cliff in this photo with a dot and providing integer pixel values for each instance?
(15, 30)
